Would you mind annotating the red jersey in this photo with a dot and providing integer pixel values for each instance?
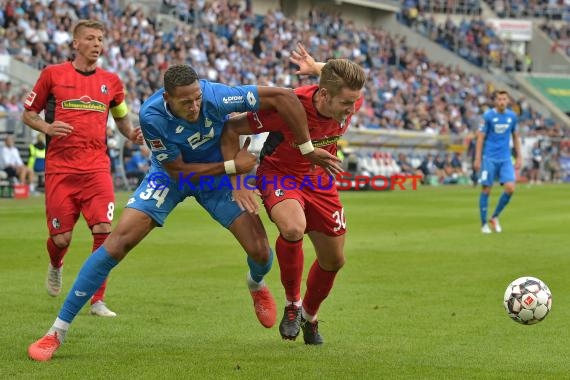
(280, 153)
(82, 100)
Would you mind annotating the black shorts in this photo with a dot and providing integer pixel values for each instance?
(11, 171)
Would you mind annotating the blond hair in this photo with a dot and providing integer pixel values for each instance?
(337, 74)
(93, 24)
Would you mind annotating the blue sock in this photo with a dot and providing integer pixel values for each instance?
(258, 271)
(503, 201)
(92, 274)
(483, 205)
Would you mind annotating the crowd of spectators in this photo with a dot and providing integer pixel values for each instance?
(518, 9)
(549, 9)
(472, 39)
(405, 91)
(468, 7)
(227, 42)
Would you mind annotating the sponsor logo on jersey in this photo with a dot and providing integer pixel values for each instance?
(251, 99)
(322, 142)
(179, 129)
(156, 145)
(208, 123)
(30, 98)
(501, 128)
(85, 103)
(104, 89)
(232, 99)
(161, 156)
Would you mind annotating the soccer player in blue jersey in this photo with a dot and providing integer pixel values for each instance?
(182, 124)
(493, 157)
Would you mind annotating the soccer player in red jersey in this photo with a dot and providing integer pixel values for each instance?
(299, 197)
(76, 97)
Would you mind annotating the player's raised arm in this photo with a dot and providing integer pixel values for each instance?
(307, 64)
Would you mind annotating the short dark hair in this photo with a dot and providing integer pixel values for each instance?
(501, 92)
(177, 76)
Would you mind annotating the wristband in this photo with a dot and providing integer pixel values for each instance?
(230, 167)
(306, 147)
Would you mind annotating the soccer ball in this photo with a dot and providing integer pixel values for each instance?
(527, 300)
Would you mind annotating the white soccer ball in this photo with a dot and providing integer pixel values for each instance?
(527, 300)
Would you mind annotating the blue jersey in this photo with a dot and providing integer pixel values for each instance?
(498, 128)
(169, 137)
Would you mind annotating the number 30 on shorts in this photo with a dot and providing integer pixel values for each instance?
(339, 219)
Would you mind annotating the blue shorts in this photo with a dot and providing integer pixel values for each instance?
(501, 170)
(157, 199)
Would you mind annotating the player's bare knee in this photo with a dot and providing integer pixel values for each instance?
(259, 252)
(333, 265)
(292, 232)
(62, 240)
(339, 263)
(101, 228)
(118, 245)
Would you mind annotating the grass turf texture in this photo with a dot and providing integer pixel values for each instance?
(420, 296)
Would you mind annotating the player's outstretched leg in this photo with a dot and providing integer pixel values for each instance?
(90, 277)
(263, 301)
(98, 305)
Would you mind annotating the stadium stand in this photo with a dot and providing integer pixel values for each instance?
(228, 42)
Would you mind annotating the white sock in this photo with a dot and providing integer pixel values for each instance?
(60, 327)
(296, 303)
(252, 285)
(308, 317)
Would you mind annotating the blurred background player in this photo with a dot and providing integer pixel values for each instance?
(77, 97)
(493, 157)
(182, 124)
(297, 210)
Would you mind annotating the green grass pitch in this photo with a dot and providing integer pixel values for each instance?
(420, 296)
